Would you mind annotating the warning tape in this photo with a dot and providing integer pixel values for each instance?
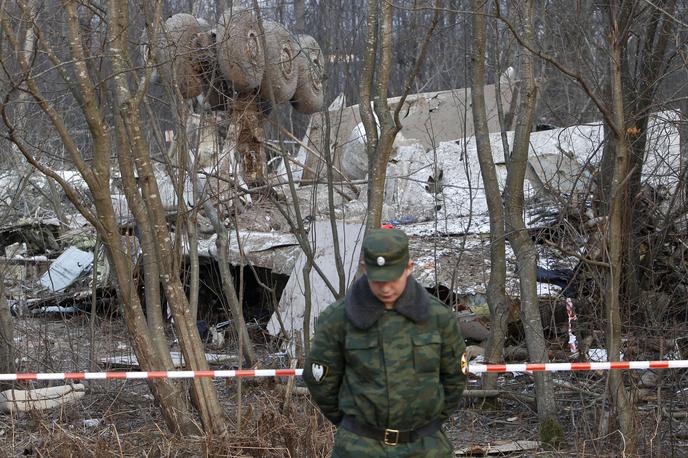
(557, 367)
(152, 374)
(465, 366)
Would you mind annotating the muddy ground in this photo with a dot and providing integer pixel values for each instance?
(120, 418)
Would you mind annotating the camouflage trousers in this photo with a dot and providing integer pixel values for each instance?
(351, 445)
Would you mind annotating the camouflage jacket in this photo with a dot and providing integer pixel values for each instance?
(397, 369)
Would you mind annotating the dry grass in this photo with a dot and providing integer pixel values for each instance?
(129, 425)
(120, 419)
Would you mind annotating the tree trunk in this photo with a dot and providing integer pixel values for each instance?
(617, 201)
(639, 91)
(308, 305)
(149, 262)
(190, 343)
(496, 294)
(377, 161)
(380, 143)
(28, 43)
(167, 393)
(7, 365)
(520, 240)
(365, 107)
(97, 178)
(235, 307)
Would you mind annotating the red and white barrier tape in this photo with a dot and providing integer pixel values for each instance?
(555, 367)
(153, 374)
(466, 367)
(571, 313)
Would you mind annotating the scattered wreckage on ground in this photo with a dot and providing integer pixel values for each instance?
(433, 191)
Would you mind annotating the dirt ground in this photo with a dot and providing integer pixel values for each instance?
(120, 418)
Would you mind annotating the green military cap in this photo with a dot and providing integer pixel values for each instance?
(385, 253)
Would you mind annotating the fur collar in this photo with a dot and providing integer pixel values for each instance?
(363, 309)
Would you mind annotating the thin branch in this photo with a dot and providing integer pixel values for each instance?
(666, 13)
(420, 58)
(576, 255)
(618, 130)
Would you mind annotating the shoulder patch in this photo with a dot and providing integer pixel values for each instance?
(319, 372)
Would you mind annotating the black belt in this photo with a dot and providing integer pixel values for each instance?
(389, 436)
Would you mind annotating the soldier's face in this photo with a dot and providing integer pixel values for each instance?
(389, 291)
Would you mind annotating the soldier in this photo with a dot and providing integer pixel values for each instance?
(384, 363)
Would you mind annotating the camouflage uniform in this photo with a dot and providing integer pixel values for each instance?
(396, 369)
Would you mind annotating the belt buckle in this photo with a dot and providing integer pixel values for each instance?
(391, 433)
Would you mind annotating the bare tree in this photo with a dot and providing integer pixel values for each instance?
(374, 107)
(128, 142)
(643, 67)
(517, 233)
(496, 293)
(618, 183)
(632, 40)
(27, 45)
(6, 332)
